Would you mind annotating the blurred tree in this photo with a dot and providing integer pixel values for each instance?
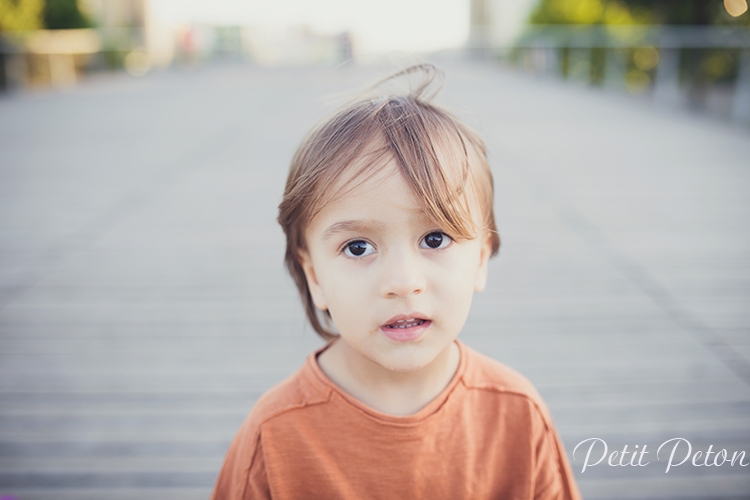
(691, 12)
(64, 14)
(21, 15)
(589, 12)
(700, 67)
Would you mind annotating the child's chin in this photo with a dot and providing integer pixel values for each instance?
(404, 368)
(408, 363)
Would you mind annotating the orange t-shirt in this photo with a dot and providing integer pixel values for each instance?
(487, 435)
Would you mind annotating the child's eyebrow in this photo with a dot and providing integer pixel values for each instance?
(351, 226)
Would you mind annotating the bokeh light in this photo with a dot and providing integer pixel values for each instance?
(735, 7)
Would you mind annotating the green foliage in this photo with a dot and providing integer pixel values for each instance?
(691, 12)
(699, 67)
(64, 14)
(21, 15)
(588, 12)
(720, 65)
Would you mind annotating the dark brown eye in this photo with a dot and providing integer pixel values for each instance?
(358, 248)
(435, 240)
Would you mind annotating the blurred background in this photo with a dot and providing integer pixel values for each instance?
(144, 146)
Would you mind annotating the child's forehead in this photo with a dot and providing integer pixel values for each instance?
(374, 205)
(368, 177)
(377, 161)
(376, 177)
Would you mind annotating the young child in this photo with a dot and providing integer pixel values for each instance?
(389, 224)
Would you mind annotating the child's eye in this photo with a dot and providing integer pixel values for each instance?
(358, 248)
(435, 240)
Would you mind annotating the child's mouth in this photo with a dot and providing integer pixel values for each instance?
(406, 323)
(405, 329)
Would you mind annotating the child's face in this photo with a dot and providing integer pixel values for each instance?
(398, 289)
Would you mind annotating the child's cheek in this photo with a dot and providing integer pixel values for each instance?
(461, 265)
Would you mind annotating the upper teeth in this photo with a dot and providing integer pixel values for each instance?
(406, 323)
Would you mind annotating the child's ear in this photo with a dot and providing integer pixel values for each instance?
(316, 292)
(484, 259)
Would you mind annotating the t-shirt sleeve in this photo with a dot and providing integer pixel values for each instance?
(553, 477)
(243, 475)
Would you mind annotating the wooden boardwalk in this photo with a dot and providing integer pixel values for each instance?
(144, 306)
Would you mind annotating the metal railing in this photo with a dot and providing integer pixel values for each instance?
(544, 46)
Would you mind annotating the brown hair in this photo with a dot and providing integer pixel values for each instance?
(440, 158)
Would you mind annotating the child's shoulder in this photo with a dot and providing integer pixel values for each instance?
(298, 391)
(487, 374)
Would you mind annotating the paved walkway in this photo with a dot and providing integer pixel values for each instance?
(144, 306)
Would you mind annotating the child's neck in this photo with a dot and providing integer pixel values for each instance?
(388, 391)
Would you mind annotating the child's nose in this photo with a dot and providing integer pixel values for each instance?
(402, 275)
